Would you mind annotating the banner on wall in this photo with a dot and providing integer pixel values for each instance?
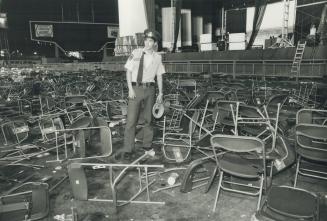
(43, 30)
(112, 32)
(75, 36)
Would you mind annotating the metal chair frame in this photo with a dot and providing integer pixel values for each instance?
(259, 149)
(143, 177)
(316, 147)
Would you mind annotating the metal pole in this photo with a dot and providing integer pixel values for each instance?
(315, 3)
(62, 11)
(92, 10)
(77, 11)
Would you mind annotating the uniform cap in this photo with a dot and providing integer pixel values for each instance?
(149, 33)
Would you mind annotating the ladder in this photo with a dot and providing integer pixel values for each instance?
(295, 70)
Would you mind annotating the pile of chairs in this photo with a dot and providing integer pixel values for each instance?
(244, 128)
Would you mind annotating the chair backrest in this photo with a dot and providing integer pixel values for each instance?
(247, 111)
(312, 137)
(224, 110)
(276, 99)
(14, 132)
(311, 116)
(277, 204)
(239, 144)
(192, 125)
(74, 100)
(186, 124)
(49, 125)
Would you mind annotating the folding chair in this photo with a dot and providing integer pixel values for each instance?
(311, 149)
(272, 104)
(177, 141)
(117, 194)
(30, 201)
(245, 159)
(48, 126)
(286, 203)
(223, 114)
(14, 132)
(252, 121)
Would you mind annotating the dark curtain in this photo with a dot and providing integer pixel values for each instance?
(236, 21)
(150, 13)
(178, 6)
(260, 8)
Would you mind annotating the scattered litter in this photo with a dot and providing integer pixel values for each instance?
(58, 167)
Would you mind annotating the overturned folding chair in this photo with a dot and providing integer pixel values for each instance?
(30, 201)
(78, 176)
(177, 143)
(91, 138)
(286, 203)
(14, 132)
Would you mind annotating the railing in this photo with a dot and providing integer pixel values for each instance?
(20, 63)
(261, 68)
(268, 68)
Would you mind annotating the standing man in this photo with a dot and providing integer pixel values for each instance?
(142, 67)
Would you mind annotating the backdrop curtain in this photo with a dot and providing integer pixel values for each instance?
(178, 6)
(259, 12)
(150, 13)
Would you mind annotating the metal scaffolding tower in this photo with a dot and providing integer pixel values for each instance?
(284, 41)
(4, 44)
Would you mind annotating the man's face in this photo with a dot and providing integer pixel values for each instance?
(149, 43)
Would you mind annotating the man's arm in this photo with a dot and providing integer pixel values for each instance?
(159, 81)
(160, 72)
(160, 94)
(131, 93)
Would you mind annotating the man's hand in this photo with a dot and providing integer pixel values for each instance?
(131, 93)
(160, 98)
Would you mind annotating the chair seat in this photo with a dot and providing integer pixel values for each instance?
(239, 166)
(80, 123)
(75, 99)
(313, 155)
(304, 204)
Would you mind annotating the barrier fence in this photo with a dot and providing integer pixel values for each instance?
(263, 68)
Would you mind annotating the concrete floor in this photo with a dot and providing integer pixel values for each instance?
(195, 205)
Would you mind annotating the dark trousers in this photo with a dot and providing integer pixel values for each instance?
(145, 95)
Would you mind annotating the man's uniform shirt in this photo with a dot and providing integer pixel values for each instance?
(152, 65)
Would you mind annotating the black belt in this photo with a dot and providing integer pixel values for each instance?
(143, 84)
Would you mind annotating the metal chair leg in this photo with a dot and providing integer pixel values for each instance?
(218, 190)
(260, 193)
(297, 170)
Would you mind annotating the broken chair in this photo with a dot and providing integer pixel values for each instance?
(177, 141)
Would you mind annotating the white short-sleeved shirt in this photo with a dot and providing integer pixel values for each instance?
(152, 65)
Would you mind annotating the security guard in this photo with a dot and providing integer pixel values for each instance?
(142, 67)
